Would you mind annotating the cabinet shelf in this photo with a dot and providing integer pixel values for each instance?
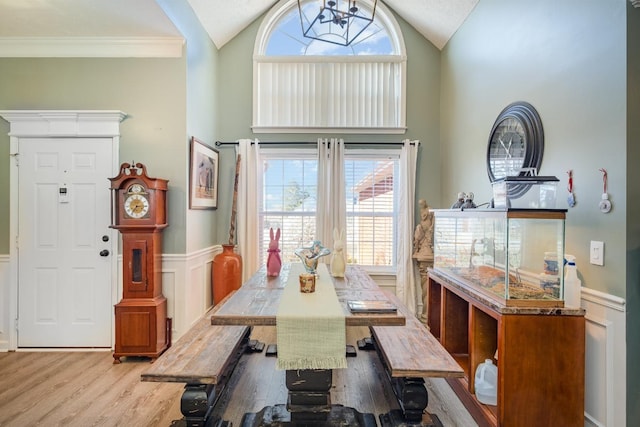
(539, 352)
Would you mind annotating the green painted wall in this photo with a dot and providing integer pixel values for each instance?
(577, 62)
(235, 79)
(633, 207)
(150, 91)
(167, 101)
(575, 76)
(201, 114)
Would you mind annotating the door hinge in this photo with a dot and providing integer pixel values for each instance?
(15, 156)
(17, 324)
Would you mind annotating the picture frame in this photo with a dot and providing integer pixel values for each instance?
(203, 175)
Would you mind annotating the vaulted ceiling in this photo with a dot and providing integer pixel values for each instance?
(436, 20)
(41, 20)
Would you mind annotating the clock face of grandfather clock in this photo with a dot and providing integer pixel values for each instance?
(139, 213)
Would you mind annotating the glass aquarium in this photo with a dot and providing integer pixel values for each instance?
(514, 256)
(525, 192)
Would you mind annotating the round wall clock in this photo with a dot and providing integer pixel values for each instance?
(516, 144)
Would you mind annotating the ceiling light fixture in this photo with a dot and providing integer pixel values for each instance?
(338, 22)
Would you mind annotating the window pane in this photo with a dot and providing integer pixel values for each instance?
(287, 37)
(295, 232)
(370, 210)
(289, 203)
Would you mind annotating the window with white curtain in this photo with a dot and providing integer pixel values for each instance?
(289, 196)
(306, 85)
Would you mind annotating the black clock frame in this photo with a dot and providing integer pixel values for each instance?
(533, 137)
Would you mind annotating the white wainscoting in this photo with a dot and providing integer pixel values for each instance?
(605, 365)
(186, 283)
(5, 321)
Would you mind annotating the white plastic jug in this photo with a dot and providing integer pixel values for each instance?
(486, 383)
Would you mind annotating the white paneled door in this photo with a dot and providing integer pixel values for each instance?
(64, 264)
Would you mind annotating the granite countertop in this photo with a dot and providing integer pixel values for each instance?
(475, 294)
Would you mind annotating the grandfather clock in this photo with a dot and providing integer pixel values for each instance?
(139, 212)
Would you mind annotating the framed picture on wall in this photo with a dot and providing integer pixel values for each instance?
(203, 176)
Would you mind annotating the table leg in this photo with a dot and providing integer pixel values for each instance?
(309, 397)
(309, 405)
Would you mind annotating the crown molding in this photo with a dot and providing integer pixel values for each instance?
(91, 47)
(58, 123)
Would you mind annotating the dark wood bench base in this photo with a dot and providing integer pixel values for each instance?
(203, 359)
(196, 405)
(198, 400)
(409, 354)
(210, 423)
(411, 394)
(396, 419)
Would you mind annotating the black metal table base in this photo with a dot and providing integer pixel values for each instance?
(337, 416)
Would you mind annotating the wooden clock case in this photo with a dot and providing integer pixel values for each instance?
(142, 326)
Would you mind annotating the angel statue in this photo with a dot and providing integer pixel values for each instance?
(423, 236)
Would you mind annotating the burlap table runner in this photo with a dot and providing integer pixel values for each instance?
(310, 327)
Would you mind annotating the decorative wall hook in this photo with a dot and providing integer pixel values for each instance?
(605, 204)
(571, 198)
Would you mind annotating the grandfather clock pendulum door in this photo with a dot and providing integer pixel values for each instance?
(139, 213)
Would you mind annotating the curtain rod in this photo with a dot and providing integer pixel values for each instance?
(219, 143)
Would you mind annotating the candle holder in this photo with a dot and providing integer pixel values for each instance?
(307, 283)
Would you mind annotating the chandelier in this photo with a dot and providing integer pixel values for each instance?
(337, 22)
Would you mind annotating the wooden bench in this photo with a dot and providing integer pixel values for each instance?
(411, 353)
(204, 359)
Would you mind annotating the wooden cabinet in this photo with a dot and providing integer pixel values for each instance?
(539, 351)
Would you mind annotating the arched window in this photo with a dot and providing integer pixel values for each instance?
(306, 85)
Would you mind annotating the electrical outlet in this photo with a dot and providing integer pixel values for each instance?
(596, 253)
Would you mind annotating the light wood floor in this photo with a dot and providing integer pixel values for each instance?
(87, 389)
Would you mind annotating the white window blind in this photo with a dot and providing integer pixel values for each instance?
(289, 196)
(371, 209)
(359, 94)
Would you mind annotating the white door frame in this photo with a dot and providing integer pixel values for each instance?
(52, 124)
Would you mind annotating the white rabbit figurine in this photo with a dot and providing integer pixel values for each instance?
(338, 258)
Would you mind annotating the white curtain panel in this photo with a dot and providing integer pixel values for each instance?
(331, 193)
(405, 279)
(249, 186)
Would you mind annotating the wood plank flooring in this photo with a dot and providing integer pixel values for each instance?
(87, 389)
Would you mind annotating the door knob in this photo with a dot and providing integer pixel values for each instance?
(104, 252)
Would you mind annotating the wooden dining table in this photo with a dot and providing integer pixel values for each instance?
(256, 303)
